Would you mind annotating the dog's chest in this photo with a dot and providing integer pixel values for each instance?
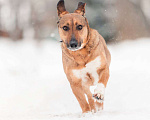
(89, 69)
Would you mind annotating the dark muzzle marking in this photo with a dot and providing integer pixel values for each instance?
(73, 43)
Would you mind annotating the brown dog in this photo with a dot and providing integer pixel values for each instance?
(85, 56)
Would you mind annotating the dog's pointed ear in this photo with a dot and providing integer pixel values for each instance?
(61, 10)
(81, 8)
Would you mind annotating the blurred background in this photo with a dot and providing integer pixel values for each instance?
(115, 20)
(33, 84)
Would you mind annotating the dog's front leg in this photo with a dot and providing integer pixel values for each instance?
(79, 94)
(100, 89)
(90, 98)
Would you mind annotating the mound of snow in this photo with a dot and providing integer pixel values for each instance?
(34, 86)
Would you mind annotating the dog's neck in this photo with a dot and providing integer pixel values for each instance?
(82, 56)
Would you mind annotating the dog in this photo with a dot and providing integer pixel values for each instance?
(86, 58)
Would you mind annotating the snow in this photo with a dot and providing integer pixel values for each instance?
(33, 85)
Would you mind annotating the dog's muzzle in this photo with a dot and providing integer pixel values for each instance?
(74, 45)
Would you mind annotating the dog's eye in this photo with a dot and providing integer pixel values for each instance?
(79, 27)
(65, 28)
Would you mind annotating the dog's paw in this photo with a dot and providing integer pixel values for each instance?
(99, 93)
(87, 114)
(99, 97)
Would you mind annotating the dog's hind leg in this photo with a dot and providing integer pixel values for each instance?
(79, 94)
(99, 106)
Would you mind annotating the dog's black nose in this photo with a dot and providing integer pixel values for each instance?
(73, 43)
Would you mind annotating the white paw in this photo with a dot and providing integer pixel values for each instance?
(88, 114)
(99, 97)
(99, 93)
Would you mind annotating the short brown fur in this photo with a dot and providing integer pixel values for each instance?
(93, 45)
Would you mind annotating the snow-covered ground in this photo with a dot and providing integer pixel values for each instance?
(33, 85)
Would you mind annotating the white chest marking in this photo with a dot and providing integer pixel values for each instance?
(91, 68)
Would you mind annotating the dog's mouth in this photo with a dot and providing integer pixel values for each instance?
(74, 49)
(74, 46)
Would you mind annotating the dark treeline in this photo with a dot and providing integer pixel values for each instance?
(115, 20)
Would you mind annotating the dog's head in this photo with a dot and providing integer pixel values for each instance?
(73, 27)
